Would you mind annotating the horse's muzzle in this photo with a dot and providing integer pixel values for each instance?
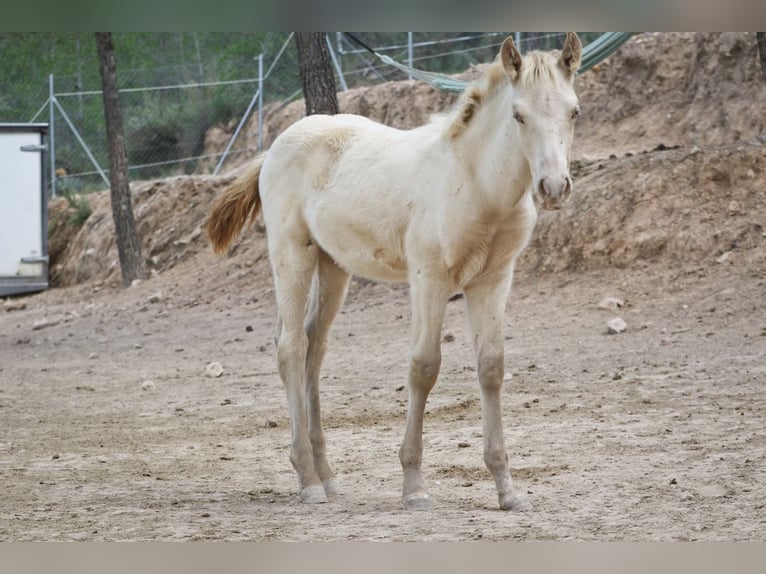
(554, 192)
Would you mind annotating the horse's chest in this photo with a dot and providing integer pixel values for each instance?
(485, 250)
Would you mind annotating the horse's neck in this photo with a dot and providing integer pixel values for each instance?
(490, 150)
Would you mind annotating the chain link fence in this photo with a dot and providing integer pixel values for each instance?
(168, 111)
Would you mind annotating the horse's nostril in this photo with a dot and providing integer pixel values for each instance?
(541, 188)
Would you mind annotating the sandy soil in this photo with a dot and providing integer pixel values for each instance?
(113, 430)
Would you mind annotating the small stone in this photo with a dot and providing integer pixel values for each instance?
(463, 445)
(723, 257)
(44, 323)
(610, 303)
(214, 369)
(616, 326)
(93, 356)
(11, 305)
(733, 207)
(156, 297)
(508, 376)
(135, 283)
(270, 424)
(249, 329)
(147, 385)
(448, 338)
(750, 174)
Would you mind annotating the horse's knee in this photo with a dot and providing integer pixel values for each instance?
(491, 368)
(424, 369)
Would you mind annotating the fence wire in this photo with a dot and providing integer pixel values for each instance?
(179, 119)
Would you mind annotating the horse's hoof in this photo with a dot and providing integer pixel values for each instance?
(313, 495)
(331, 487)
(417, 502)
(515, 503)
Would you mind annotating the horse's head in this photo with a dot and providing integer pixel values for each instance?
(544, 110)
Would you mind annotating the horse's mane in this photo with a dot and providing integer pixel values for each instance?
(536, 65)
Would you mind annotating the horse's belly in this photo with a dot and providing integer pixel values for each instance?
(373, 263)
(368, 245)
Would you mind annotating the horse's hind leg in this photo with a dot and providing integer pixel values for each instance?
(486, 310)
(327, 294)
(294, 259)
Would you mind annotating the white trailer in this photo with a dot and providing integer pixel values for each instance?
(23, 209)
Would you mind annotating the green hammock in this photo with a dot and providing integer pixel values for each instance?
(592, 54)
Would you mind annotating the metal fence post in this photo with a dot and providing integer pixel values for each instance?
(336, 63)
(52, 134)
(409, 52)
(260, 102)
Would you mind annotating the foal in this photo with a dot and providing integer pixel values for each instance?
(446, 207)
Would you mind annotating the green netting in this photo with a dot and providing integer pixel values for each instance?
(592, 54)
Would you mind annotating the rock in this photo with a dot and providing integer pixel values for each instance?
(11, 305)
(214, 369)
(723, 258)
(156, 297)
(616, 326)
(147, 385)
(43, 323)
(135, 282)
(448, 338)
(610, 303)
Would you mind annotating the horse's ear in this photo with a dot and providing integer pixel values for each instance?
(571, 54)
(510, 58)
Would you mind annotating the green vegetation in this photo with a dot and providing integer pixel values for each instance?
(80, 204)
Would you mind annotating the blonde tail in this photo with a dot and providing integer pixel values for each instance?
(232, 209)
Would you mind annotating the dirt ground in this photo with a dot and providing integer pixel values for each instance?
(112, 428)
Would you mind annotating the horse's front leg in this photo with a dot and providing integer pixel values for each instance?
(486, 299)
(429, 299)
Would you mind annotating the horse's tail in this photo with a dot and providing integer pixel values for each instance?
(232, 209)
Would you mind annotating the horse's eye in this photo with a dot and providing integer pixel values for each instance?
(518, 117)
(576, 112)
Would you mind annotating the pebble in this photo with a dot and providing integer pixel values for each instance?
(11, 305)
(43, 323)
(147, 385)
(615, 326)
(156, 297)
(610, 303)
(214, 369)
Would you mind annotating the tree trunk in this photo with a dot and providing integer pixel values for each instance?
(128, 245)
(316, 73)
(761, 36)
